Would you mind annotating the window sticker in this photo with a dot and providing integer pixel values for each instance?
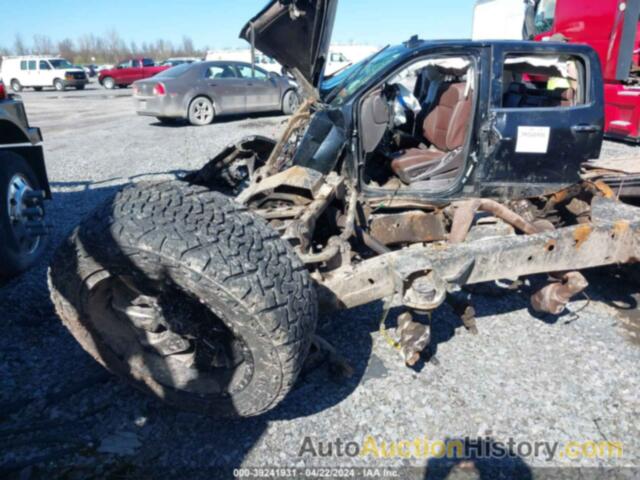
(533, 139)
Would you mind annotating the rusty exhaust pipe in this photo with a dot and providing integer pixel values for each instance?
(466, 212)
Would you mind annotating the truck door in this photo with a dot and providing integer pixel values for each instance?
(148, 69)
(545, 118)
(137, 71)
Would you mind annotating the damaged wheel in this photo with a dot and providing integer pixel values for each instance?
(188, 297)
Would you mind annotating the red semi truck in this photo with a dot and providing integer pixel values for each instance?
(611, 27)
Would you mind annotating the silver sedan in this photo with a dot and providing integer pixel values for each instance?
(199, 92)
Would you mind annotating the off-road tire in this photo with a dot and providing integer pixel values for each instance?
(16, 86)
(12, 260)
(216, 251)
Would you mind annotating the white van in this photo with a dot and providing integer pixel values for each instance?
(41, 71)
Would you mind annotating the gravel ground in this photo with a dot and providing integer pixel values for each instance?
(574, 378)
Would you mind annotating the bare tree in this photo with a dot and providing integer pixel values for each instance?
(107, 48)
(19, 47)
(116, 46)
(42, 44)
(67, 50)
(188, 50)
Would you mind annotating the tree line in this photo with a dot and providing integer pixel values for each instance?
(107, 48)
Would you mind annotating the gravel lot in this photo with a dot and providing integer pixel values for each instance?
(575, 378)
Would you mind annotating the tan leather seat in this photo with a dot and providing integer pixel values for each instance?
(445, 128)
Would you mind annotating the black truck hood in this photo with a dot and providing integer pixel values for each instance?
(296, 33)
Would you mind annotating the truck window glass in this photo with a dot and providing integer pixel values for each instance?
(542, 81)
(545, 15)
(32, 64)
(147, 62)
(44, 65)
(23, 65)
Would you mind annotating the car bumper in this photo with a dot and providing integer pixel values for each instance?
(165, 106)
(75, 82)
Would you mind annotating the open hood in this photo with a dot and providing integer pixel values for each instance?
(296, 33)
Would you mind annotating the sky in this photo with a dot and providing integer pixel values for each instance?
(216, 23)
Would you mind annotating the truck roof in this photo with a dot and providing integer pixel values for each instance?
(547, 45)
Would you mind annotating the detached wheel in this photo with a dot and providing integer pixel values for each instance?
(22, 230)
(16, 86)
(201, 111)
(189, 297)
(109, 83)
(59, 85)
(290, 102)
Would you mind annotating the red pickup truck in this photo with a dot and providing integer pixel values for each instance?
(127, 72)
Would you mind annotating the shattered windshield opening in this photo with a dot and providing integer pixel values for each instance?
(339, 88)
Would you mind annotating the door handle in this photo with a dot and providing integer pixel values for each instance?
(213, 84)
(585, 129)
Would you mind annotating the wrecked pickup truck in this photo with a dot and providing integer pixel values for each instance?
(426, 168)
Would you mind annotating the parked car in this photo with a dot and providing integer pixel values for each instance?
(385, 187)
(127, 72)
(201, 91)
(174, 62)
(38, 72)
(23, 188)
(100, 68)
(91, 70)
